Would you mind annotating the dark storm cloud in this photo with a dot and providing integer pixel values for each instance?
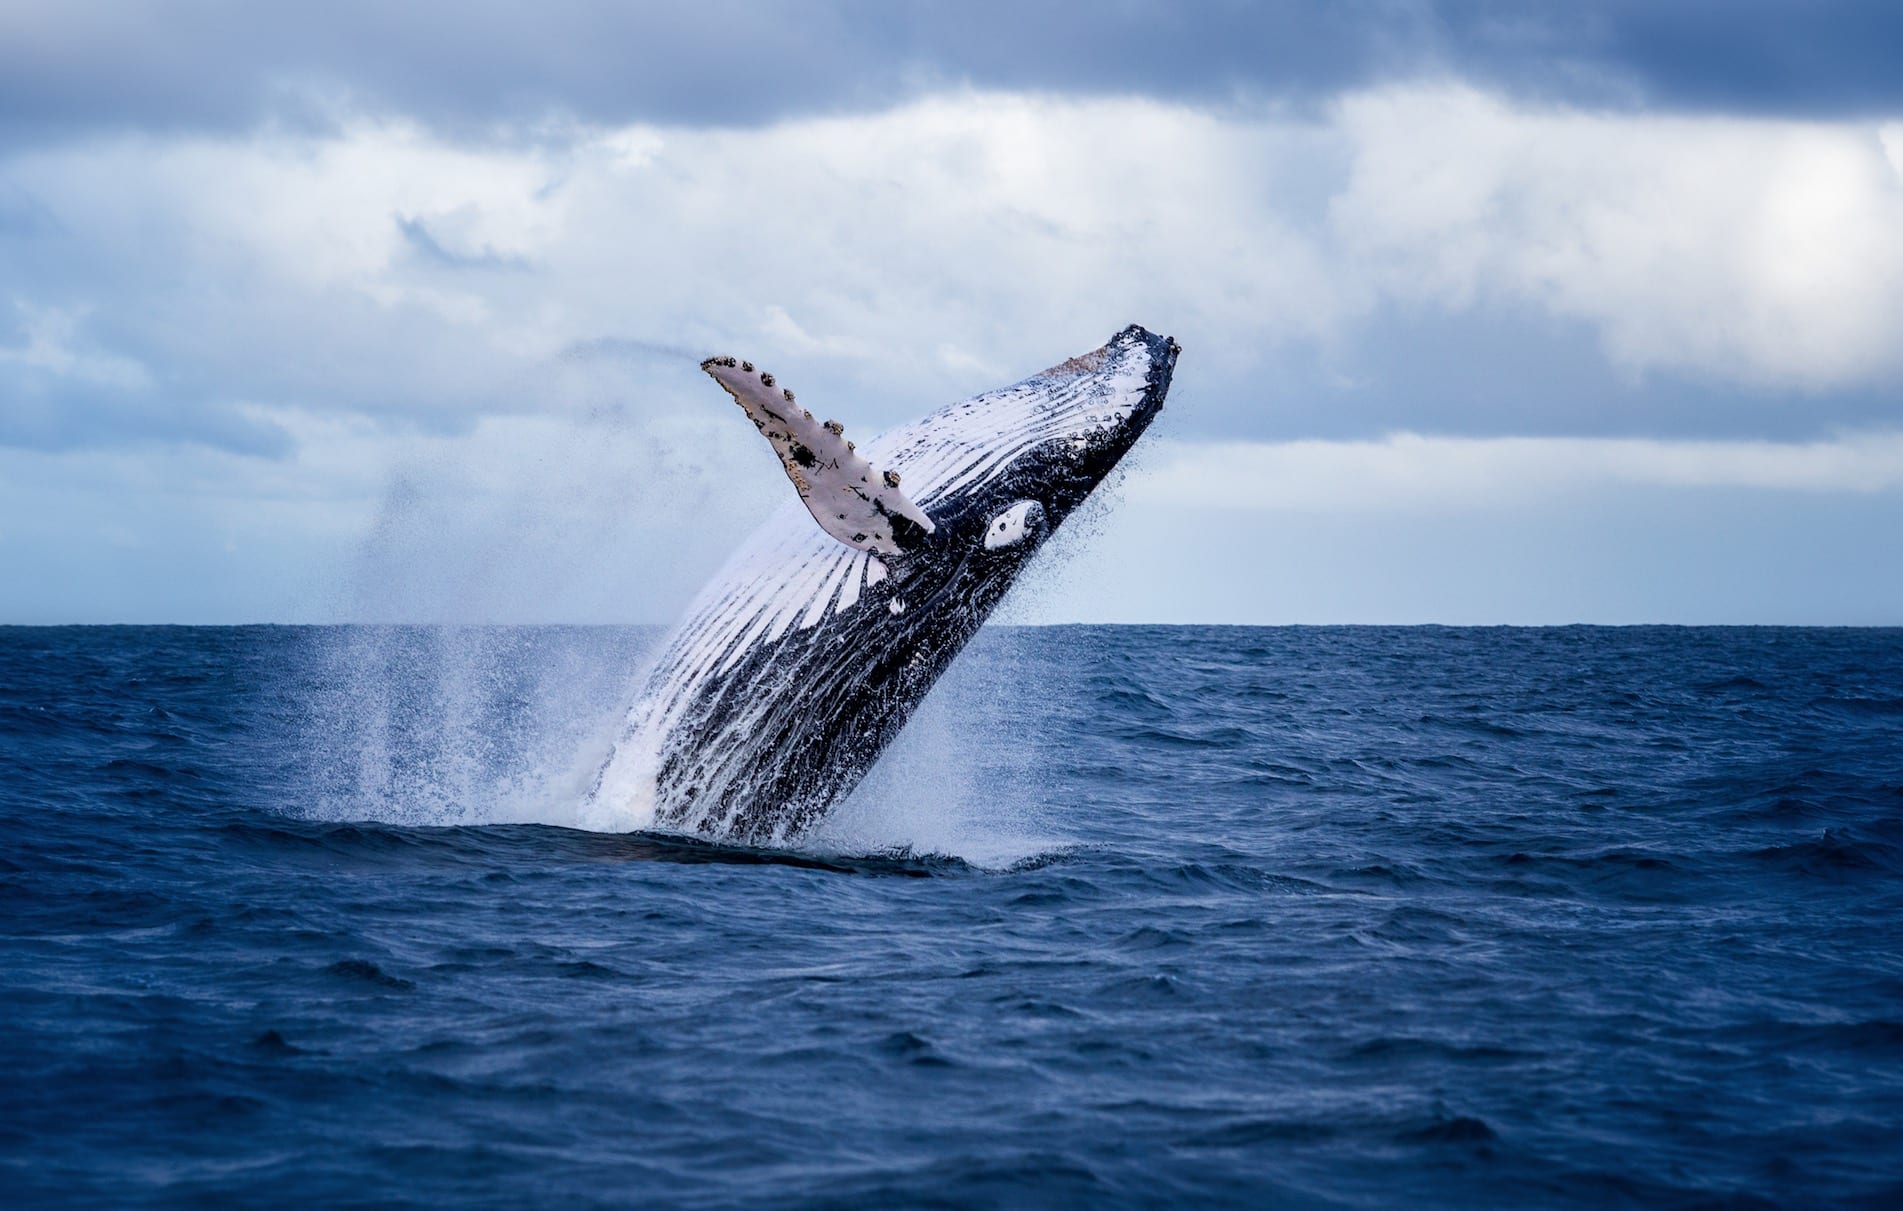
(69, 65)
(1799, 58)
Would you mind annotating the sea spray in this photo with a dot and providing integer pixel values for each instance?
(440, 726)
(462, 725)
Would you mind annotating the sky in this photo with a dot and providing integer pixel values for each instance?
(1491, 312)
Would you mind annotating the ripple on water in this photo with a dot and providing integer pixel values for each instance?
(1346, 917)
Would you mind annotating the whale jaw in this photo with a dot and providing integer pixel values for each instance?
(804, 657)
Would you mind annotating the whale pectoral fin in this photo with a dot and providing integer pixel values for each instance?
(851, 499)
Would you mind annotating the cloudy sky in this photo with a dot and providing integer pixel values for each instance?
(1492, 312)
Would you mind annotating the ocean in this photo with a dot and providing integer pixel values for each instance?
(1130, 917)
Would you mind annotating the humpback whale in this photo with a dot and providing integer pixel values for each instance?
(805, 655)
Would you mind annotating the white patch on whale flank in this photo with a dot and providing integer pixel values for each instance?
(1013, 524)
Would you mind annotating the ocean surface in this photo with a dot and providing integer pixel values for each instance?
(1131, 917)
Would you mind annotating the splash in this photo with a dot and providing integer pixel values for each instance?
(966, 778)
(800, 642)
(464, 725)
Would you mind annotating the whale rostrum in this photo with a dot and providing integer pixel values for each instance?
(804, 656)
(851, 501)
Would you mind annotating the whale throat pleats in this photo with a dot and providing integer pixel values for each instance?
(852, 500)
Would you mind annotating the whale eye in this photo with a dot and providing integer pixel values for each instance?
(1010, 526)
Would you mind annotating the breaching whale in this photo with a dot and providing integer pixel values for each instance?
(805, 655)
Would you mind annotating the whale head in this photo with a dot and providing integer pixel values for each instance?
(998, 473)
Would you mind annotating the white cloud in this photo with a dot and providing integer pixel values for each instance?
(510, 328)
(50, 341)
(966, 236)
(959, 238)
(1755, 251)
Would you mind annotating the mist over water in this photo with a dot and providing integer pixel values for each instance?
(457, 724)
(440, 726)
(608, 500)
(965, 779)
(431, 703)
(464, 725)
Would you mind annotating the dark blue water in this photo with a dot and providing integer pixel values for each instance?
(1133, 917)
